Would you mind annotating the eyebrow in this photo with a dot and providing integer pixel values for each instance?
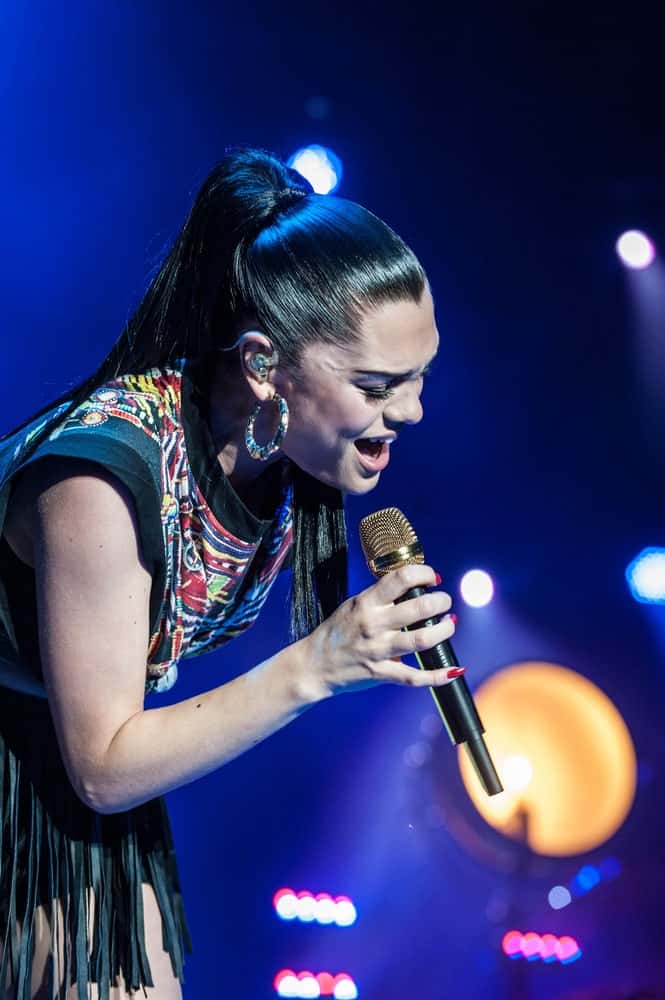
(412, 371)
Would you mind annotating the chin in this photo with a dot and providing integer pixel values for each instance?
(360, 490)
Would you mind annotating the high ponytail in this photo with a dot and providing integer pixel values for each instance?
(259, 242)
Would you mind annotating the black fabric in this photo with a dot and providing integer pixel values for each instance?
(21, 601)
(53, 847)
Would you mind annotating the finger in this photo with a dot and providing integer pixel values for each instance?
(396, 583)
(418, 639)
(400, 673)
(417, 609)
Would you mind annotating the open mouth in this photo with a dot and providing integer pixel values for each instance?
(366, 446)
(373, 454)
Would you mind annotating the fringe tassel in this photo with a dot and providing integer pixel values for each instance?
(86, 870)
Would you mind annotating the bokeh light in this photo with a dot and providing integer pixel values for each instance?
(544, 947)
(517, 772)
(477, 588)
(646, 576)
(321, 909)
(558, 897)
(288, 983)
(583, 759)
(635, 249)
(321, 167)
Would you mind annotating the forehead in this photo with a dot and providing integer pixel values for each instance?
(399, 335)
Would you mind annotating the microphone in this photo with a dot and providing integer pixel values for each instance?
(389, 541)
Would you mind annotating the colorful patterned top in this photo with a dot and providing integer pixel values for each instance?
(213, 561)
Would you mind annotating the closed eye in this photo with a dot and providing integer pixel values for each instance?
(386, 391)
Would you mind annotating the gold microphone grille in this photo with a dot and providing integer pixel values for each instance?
(389, 541)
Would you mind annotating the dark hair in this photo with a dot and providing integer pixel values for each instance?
(259, 242)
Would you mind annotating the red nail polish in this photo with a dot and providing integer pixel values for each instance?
(453, 618)
(438, 578)
(456, 671)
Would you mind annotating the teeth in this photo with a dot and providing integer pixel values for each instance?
(375, 440)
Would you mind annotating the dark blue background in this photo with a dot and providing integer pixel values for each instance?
(510, 145)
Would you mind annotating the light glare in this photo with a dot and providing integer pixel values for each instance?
(477, 588)
(320, 166)
(516, 772)
(646, 576)
(635, 249)
(558, 897)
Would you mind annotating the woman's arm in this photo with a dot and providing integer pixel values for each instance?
(93, 593)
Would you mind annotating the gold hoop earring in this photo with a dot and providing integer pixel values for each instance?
(263, 452)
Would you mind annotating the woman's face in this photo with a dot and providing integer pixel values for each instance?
(342, 399)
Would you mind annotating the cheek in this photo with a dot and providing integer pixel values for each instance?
(332, 415)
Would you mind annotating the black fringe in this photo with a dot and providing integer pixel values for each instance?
(54, 850)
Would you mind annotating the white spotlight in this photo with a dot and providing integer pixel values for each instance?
(635, 249)
(516, 772)
(320, 166)
(477, 588)
(646, 576)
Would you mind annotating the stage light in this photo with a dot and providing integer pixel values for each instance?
(309, 986)
(548, 948)
(286, 984)
(609, 868)
(306, 985)
(635, 249)
(345, 988)
(545, 947)
(476, 588)
(531, 946)
(558, 897)
(587, 878)
(517, 772)
(285, 902)
(346, 912)
(326, 909)
(306, 907)
(512, 944)
(568, 950)
(326, 983)
(646, 576)
(321, 167)
(579, 748)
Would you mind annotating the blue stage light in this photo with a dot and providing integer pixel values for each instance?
(320, 166)
(646, 576)
(609, 868)
(587, 877)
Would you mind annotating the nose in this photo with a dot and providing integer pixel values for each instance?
(405, 406)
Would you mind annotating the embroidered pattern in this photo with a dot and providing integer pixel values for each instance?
(207, 566)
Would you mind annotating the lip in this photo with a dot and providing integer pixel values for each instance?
(379, 463)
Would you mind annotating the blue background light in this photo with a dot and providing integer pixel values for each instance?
(509, 152)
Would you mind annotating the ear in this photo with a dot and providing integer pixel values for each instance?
(258, 359)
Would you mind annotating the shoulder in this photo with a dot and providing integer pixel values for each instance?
(75, 494)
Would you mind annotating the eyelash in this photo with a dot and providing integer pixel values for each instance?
(387, 391)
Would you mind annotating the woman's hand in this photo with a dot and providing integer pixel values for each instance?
(361, 643)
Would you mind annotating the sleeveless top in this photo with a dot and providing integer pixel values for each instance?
(213, 561)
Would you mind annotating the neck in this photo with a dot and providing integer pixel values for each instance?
(228, 409)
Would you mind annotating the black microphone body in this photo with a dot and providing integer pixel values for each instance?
(455, 703)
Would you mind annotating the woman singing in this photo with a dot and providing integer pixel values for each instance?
(144, 516)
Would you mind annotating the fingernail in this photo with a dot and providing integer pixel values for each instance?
(437, 577)
(453, 618)
(456, 671)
